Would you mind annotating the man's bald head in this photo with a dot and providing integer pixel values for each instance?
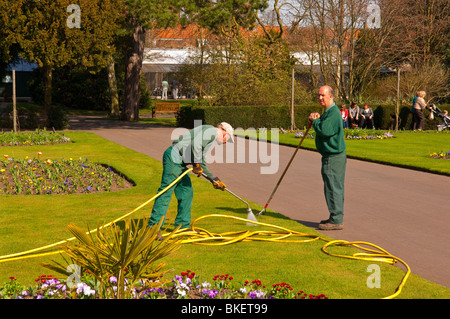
(326, 97)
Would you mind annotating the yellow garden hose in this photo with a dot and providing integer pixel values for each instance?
(375, 254)
(199, 236)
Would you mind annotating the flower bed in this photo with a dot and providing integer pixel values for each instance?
(441, 155)
(66, 176)
(356, 134)
(38, 137)
(184, 286)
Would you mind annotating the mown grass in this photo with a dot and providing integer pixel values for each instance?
(407, 149)
(29, 222)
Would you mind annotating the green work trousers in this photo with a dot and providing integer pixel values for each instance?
(333, 175)
(183, 192)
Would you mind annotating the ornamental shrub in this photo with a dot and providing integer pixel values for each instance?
(279, 116)
(245, 116)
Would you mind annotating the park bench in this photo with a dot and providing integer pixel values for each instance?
(165, 108)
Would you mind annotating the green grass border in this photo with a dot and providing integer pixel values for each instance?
(408, 149)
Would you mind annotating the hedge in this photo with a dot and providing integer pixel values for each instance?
(279, 116)
(246, 116)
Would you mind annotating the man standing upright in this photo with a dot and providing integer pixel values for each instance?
(165, 87)
(331, 145)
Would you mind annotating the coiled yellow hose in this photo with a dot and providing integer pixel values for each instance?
(199, 236)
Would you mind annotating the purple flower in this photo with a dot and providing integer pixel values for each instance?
(256, 294)
(213, 293)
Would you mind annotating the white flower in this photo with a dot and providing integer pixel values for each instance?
(206, 284)
(85, 289)
(88, 291)
(181, 292)
(80, 287)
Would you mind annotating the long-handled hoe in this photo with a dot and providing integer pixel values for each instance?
(285, 170)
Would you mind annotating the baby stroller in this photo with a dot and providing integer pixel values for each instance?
(156, 91)
(446, 124)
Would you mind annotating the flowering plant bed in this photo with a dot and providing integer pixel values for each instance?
(184, 286)
(440, 155)
(66, 176)
(37, 137)
(356, 134)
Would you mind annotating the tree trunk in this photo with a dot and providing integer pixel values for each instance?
(133, 66)
(115, 112)
(48, 75)
(397, 107)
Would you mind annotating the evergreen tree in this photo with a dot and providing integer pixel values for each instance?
(54, 34)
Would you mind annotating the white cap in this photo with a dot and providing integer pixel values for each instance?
(228, 128)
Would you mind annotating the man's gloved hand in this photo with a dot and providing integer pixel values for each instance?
(197, 169)
(218, 184)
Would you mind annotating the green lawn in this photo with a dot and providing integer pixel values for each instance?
(33, 221)
(407, 149)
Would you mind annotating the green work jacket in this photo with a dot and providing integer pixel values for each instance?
(193, 146)
(329, 132)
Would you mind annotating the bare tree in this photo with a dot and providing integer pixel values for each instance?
(351, 40)
(331, 29)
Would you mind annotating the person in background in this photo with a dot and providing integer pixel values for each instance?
(411, 127)
(367, 117)
(175, 86)
(165, 87)
(180, 91)
(445, 113)
(419, 106)
(353, 115)
(344, 113)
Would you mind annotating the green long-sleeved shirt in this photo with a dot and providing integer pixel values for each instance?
(329, 132)
(193, 146)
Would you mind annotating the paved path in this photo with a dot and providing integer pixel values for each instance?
(403, 211)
